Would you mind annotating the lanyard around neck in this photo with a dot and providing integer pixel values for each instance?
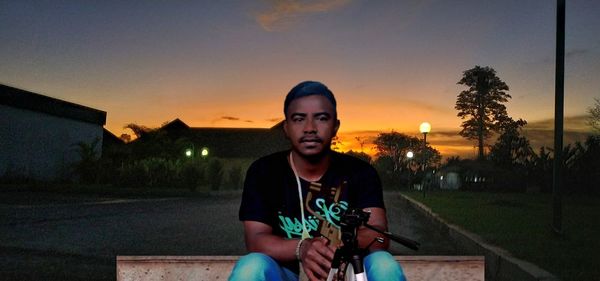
(305, 234)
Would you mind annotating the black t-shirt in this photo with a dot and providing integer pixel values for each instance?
(270, 193)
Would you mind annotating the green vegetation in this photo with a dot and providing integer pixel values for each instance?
(393, 164)
(520, 223)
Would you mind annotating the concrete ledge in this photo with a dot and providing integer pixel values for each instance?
(171, 268)
(500, 265)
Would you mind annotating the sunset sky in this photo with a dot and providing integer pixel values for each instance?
(392, 64)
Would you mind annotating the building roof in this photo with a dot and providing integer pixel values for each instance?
(230, 142)
(35, 102)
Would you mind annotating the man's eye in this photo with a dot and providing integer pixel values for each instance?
(297, 119)
(323, 118)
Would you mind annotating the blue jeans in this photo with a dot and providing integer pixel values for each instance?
(379, 266)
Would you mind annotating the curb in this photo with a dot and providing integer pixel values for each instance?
(500, 265)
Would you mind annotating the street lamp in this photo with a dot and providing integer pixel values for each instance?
(424, 128)
(410, 156)
(189, 152)
(204, 152)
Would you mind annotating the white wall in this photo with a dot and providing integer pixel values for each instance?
(39, 145)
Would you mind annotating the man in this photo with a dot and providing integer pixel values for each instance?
(291, 198)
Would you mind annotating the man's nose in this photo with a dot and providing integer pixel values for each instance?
(309, 127)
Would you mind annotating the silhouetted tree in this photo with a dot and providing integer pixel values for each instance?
(138, 130)
(452, 160)
(392, 163)
(583, 166)
(539, 169)
(395, 146)
(481, 104)
(336, 143)
(594, 116)
(511, 150)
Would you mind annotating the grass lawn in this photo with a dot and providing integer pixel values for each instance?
(520, 223)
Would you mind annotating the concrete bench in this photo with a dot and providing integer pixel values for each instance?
(210, 268)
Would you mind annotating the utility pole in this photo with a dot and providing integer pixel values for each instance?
(559, 93)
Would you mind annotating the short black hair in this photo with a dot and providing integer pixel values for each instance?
(309, 88)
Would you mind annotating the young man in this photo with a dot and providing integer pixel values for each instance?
(291, 198)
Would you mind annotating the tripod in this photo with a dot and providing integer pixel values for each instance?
(349, 253)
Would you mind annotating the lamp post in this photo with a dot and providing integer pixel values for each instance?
(424, 128)
(410, 156)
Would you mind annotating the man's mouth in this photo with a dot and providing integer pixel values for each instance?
(311, 140)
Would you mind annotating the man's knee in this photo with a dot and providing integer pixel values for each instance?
(253, 266)
(381, 265)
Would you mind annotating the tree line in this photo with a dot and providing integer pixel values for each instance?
(510, 164)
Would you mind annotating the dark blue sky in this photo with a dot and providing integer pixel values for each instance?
(392, 64)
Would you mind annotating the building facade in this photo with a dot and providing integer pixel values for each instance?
(39, 134)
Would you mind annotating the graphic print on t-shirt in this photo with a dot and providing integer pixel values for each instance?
(324, 209)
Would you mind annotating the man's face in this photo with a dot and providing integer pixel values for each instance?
(310, 125)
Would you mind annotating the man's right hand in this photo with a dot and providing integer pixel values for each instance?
(316, 255)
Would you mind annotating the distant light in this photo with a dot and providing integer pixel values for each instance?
(425, 128)
(204, 152)
(188, 152)
(441, 178)
(410, 154)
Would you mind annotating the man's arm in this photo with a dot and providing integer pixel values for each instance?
(260, 238)
(365, 236)
(315, 253)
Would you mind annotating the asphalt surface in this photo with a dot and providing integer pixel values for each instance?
(45, 236)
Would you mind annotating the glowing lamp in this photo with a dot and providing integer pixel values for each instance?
(425, 128)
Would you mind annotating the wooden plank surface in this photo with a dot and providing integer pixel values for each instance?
(175, 268)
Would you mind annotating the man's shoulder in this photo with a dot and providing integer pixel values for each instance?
(273, 157)
(350, 162)
(276, 159)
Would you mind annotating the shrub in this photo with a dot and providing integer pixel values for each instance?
(159, 171)
(88, 165)
(214, 173)
(235, 176)
(132, 174)
(191, 173)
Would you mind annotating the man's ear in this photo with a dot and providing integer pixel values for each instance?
(337, 126)
(285, 128)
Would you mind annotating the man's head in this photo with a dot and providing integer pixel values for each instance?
(309, 88)
(310, 118)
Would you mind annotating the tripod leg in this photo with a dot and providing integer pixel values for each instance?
(357, 266)
(335, 264)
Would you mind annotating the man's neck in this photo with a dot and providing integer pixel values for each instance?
(313, 168)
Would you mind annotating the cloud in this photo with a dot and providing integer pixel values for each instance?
(576, 52)
(285, 12)
(571, 123)
(230, 118)
(277, 120)
(569, 54)
(224, 118)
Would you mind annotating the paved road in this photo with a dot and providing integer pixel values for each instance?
(58, 237)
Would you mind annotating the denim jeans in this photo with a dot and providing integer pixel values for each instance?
(379, 266)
